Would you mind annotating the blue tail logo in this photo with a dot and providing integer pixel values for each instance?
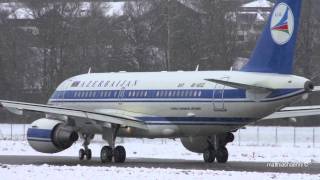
(275, 49)
(282, 24)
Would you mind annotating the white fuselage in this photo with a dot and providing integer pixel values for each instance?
(177, 104)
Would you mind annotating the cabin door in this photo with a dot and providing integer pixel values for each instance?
(219, 96)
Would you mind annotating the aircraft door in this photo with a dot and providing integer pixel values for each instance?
(121, 95)
(218, 96)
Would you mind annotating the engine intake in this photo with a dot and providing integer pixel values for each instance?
(50, 136)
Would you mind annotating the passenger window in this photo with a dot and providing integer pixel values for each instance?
(190, 93)
(115, 93)
(174, 93)
(195, 93)
(199, 93)
(157, 94)
(129, 94)
(145, 93)
(182, 93)
(161, 93)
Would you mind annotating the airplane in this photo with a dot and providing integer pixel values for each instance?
(202, 108)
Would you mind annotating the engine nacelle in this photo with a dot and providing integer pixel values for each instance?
(50, 136)
(195, 144)
(200, 144)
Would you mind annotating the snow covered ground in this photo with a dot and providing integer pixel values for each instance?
(265, 144)
(47, 172)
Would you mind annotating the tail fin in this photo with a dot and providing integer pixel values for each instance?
(275, 49)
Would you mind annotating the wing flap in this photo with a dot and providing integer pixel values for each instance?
(18, 107)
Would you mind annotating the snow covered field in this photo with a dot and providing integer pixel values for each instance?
(47, 172)
(264, 147)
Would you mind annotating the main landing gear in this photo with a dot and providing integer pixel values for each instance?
(86, 152)
(217, 148)
(109, 153)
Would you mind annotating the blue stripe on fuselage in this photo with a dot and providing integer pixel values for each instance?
(160, 94)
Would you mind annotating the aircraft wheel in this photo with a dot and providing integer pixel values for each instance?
(222, 155)
(81, 154)
(209, 155)
(106, 154)
(88, 153)
(119, 154)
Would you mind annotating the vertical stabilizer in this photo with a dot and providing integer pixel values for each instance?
(274, 51)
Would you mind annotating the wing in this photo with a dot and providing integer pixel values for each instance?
(297, 111)
(110, 116)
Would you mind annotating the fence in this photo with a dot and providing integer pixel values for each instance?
(278, 136)
(250, 136)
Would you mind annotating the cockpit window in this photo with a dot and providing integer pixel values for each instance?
(75, 84)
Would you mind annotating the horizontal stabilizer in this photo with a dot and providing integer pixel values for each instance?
(297, 111)
(316, 89)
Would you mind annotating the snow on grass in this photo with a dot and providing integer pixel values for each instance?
(47, 172)
(248, 146)
(173, 149)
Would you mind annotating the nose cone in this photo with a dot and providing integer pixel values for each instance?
(308, 86)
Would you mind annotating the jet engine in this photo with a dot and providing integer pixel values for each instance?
(200, 144)
(195, 144)
(50, 136)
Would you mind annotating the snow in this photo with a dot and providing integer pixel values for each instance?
(16, 11)
(256, 144)
(253, 144)
(260, 17)
(258, 4)
(47, 172)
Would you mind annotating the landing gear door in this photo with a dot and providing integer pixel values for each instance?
(218, 96)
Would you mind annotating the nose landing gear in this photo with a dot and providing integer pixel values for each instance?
(86, 152)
